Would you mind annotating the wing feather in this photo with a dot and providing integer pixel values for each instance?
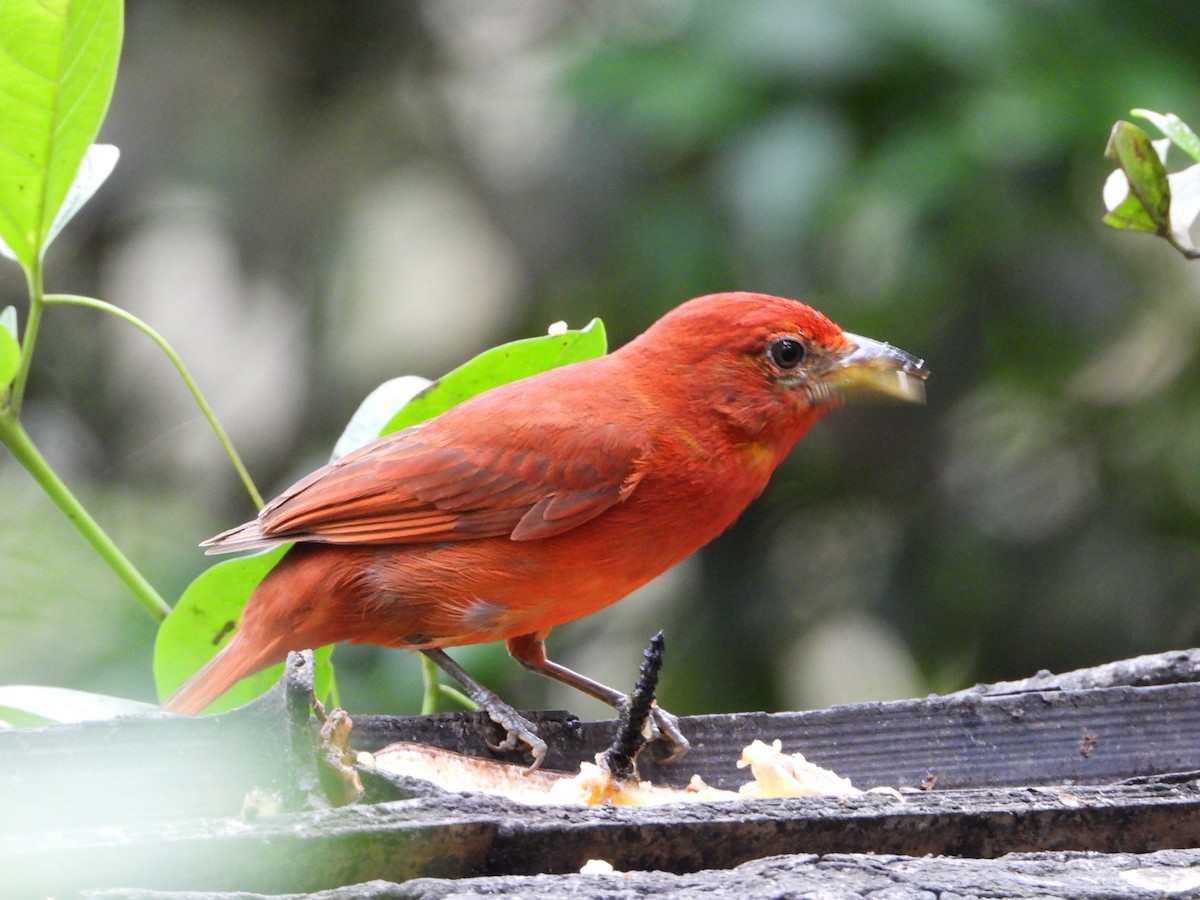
(432, 483)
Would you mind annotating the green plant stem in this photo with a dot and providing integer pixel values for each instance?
(458, 697)
(17, 440)
(137, 323)
(434, 689)
(430, 683)
(36, 301)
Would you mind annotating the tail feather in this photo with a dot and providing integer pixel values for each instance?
(235, 661)
(297, 605)
(247, 536)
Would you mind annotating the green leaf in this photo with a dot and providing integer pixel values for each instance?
(1132, 150)
(1175, 128)
(29, 705)
(203, 621)
(500, 365)
(98, 163)
(10, 347)
(1140, 196)
(375, 411)
(58, 64)
(1131, 215)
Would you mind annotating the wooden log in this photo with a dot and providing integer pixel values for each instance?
(227, 802)
(1065, 876)
(1044, 737)
(471, 836)
(1170, 667)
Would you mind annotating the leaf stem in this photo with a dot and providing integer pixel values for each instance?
(33, 276)
(434, 689)
(453, 693)
(431, 683)
(137, 323)
(18, 442)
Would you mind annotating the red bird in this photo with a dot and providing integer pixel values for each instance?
(543, 500)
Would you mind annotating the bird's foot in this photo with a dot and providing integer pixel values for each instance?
(661, 729)
(665, 731)
(518, 730)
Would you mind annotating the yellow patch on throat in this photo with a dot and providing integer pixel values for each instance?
(759, 455)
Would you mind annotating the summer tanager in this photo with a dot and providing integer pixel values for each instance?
(546, 499)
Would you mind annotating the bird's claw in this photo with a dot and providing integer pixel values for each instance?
(664, 728)
(518, 730)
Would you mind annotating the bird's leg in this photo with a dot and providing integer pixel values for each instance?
(518, 728)
(530, 651)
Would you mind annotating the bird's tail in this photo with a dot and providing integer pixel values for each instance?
(247, 536)
(235, 661)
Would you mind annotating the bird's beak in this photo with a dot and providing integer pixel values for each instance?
(879, 369)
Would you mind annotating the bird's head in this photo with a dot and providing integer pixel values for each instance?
(771, 366)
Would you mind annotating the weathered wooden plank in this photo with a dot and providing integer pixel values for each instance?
(470, 835)
(289, 852)
(158, 801)
(153, 768)
(1168, 667)
(1045, 737)
(1065, 876)
(146, 768)
(977, 824)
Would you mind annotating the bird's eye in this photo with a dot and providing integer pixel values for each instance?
(786, 353)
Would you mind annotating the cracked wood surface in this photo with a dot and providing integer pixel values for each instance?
(225, 803)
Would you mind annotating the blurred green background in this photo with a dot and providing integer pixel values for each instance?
(316, 196)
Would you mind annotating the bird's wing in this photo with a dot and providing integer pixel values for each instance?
(426, 485)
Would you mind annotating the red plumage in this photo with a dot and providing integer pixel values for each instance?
(543, 500)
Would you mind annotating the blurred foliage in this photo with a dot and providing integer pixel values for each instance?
(309, 203)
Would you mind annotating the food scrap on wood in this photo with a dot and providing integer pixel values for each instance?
(775, 774)
(609, 781)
